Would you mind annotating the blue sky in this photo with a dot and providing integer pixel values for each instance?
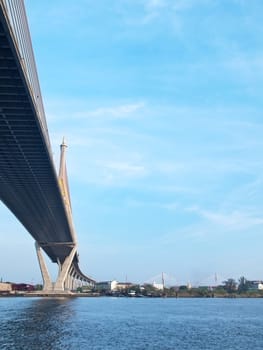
(161, 105)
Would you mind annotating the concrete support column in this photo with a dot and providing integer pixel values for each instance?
(47, 282)
(74, 281)
(64, 270)
(66, 282)
(68, 279)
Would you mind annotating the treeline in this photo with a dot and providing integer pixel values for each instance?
(229, 288)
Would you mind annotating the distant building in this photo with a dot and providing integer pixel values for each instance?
(124, 285)
(158, 286)
(113, 286)
(5, 287)
(107, 286)
(255, 285)
(22, 287)
(189, 286)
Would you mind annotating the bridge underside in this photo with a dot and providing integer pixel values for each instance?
(28, 181)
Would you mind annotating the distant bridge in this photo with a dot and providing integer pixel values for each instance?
(29, 185)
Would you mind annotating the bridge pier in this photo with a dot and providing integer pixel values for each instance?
(68, 280)
(63, 282)
(64, 270)
(47, 282)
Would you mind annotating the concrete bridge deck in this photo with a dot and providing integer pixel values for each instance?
(29, 184)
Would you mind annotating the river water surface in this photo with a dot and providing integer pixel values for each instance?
(130, 323)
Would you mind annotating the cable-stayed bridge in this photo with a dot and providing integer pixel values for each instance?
(162, 278)
(29, 184)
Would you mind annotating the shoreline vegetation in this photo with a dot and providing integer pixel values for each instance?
(98, 295)
(229, 289)
(200, 292)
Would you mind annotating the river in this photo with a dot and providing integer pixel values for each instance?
(130, 323)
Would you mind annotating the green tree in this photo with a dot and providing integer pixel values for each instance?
(230, 285)
(38, 287)
(243, 285)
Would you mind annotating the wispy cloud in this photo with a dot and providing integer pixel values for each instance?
(169, 11)
(124, 169)
(137, 203)
(233, 221)
(125, 142)
(72, 109)
(115, 112)
(176, 6)
(152, 4)
(248, 67)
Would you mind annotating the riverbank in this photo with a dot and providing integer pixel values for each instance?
(40, 294)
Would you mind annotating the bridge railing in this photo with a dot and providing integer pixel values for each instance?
(16, 14)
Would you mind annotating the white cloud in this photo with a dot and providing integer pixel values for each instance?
(120, 169)
(173, 188)
(137, 203)
(116, 112)
(116, 152)
(79, 109)
(171, 206)
(178, 5)
(171, 10)
(246, 66)
(233, 221)
(155, 3)
(106, 166)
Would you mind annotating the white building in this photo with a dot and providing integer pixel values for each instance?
(256, 285)
(124, 285)
(107, 286)
(5, 287)
(158, 286)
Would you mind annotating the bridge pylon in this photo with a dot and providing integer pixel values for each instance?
(67, 273)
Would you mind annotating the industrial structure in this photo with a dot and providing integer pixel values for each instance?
(29, 184)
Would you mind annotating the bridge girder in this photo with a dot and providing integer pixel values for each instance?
(29, 186)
